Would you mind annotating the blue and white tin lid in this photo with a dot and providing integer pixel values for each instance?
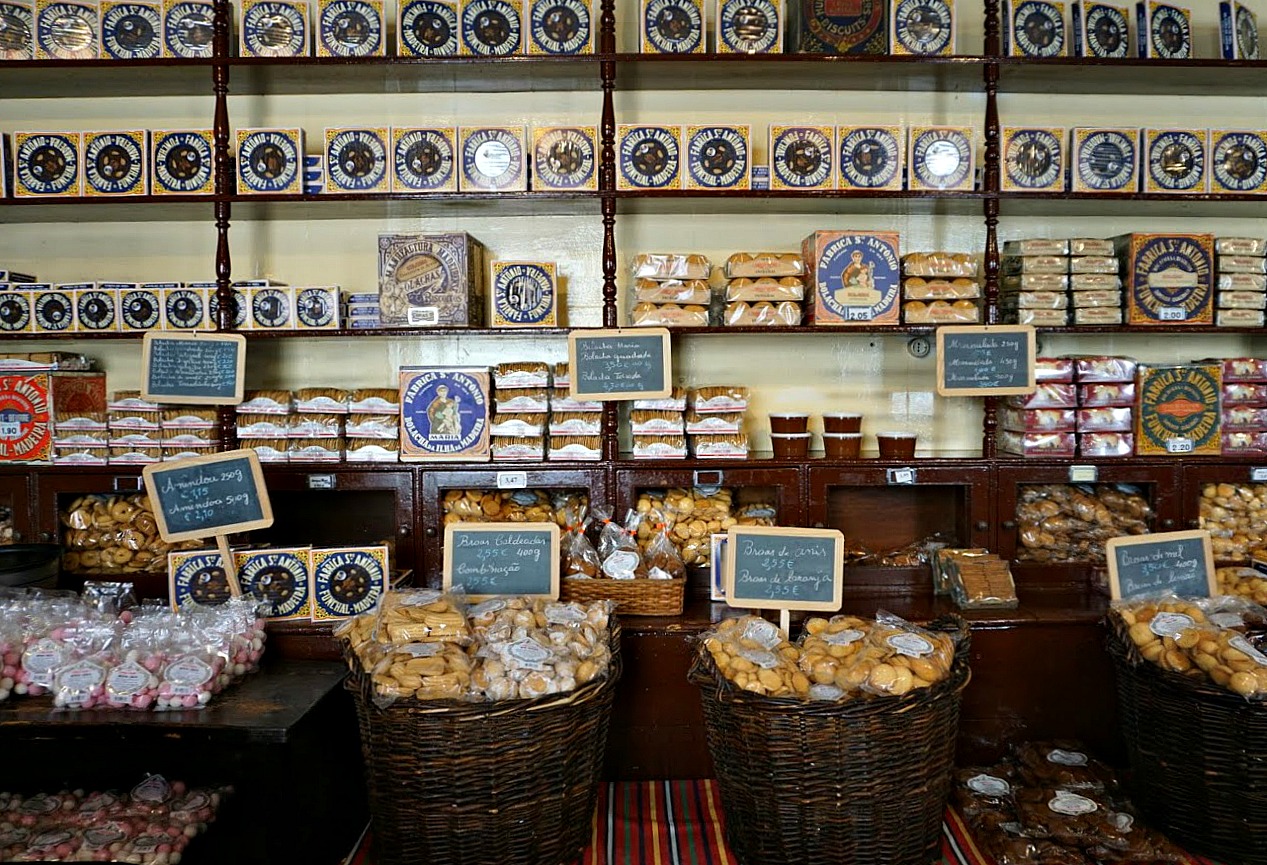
(858, 277)
(17, 30)
(1033, 159)
(356, 160)
(941, 158)
(189, 29)
(95, 309)
(278, 578)
(717, 157)
(140, 309)
(672, 26)
(351, 28)
(492, 28)
(523, 293)
(114, 163)
(428, 28)
(184, 309)
(268, 160)
(1037, 29)
(492, 159)
(48, 163)
(199, 580)
(348, 582)
(270, 307)
(316, 307)
(15, 311)
(54, 311)
(273, 28)
(183, 162)
(1238, 161)
(423, 160)
(68, 31)
(1176, 161)
(650, 157)
(923, 27)
(1105, 160)
(132, 31)
(870, 158)
(801, 156)
(1103, 31)
(560, 27)
(749, 26)
(1169, 32)
(444, 412)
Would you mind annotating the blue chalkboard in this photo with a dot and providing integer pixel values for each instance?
(634, 363)
(784, 568)
(207, 496)
(1149, 565)
(489, 559)
(193, 368)
(991, 360)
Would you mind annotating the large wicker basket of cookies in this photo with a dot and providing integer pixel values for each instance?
(1192, 701)
(483, 729)
(838, 748)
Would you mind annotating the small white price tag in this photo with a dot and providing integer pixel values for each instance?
(901, 476)
(1171, 313)
(512, 480)
(320, 482)
(1083, 474)
(1258, 474)
(1179, 446)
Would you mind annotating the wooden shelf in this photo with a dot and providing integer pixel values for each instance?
(756, 202)
(1196, 77)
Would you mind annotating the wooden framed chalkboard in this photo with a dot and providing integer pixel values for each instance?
(628, 363)
(780, 568)
(1143, 565)
(208, 496)
(493, 559)
(987, 360)
(196, 368)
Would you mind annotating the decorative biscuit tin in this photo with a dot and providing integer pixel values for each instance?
(749, 27)
(1104, 160)
(317, 308)
(274, 28)
(15, 310)
(17, 36)
(1238, 161)
(870, 157)
(941, 157)
(493, 159)
(1164, 30)
(1238, 31)
(114, 163)
(356, 160)
(852, 27)
(182, 162)
(422, 160)
(26, 431)
(923, 27)
(672, 27)
(718, 157)
(564, 157)
(430, 279)
(66, 30)
(524, 294)
(197, 579)
(560, 27)
(269, 160)
(1101, 30)
(1034, 28)
(1033, 160)
(427, 28)
(96, 309)
(185, 309)
(347, 581)
(46, 164)
(272, 308)
(1174, 161)
(1168, 277)
(278, 578)
(857, 277)
(140, 309)
(444, 414)
(131, 30)
(801, 157)
(188, 28)
(649, 157)
(492, 28)
(53, 311)
(1178, 410)
(351, 28)
(241, 305)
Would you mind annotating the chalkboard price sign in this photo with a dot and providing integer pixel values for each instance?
(1143, 565)
(992, 360)
(778, 568)
(492, 559)
(633, 363)
(195, 368)
(208, 496)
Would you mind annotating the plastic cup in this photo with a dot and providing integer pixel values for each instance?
(896, 445)
(842, 446)
(842, 422)
(790, 446)
(789, 422)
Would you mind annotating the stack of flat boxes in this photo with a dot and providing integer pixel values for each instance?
(1052, 283)
(670, 290)
(1241, 281)
(521, 397)
(658, 426)
(1106, 406)
(715, 423)
(321, 425)
(764, 289)
(576, 425)
(1042, 423)
(1243, 405)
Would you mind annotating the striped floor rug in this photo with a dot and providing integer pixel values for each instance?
(681, 823)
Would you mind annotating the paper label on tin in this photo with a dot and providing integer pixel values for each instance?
(356, 160)
(270, 307)
(47, 163)
(444, 412)
(316, 307)
(1105, 159)
(140, 309)
(523, 293)
(278, 578)
(717, 157)
(561, 27)
(130, 31)
(189, 29)
(924, 27)
(491, 28)
(66, 31)
(1238, 161)
(1038, 29)
(1245, 28)
(649, 157)
(801, 157)
(15, 312)
(941, 158)
(185, 309)
(1169, 32)
(17, 31)
(351, 28)
(870, 158)
(53, 311)
(272, 28)
(348, 582)
(672, 26)
(748, 26)
(563, 158)
(423, 160)
(94, 310)
(1176, 161)
(114, 163)
(1105, 31)
(183, 162)
(492, 159)
(429, 28)
(857, 277)
(268, 160)
(1033, 159)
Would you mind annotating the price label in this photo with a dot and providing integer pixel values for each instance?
(1171, 313)
(1083, 474)
(320, 482)
(1258, 474)
(1179, 446)
(512, 480)
(901, 477)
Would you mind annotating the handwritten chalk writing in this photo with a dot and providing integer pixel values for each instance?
(192, 367)
(502, 560)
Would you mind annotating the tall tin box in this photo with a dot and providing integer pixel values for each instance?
(20, 44)
(430, 280)
(131, 30)
(189, 28)
(444, 414)
(560, 26)
(26, 432)
(841, 26)
(1169, 278)
(351, 28)
(857, 277)
(1178, 409)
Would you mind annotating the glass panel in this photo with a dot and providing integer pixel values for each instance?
(1060, 523)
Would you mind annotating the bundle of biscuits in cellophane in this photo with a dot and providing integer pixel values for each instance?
(620, 556)
(425, 644)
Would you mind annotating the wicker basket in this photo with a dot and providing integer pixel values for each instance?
(633, 597)
(863, 782)
(463, 783)
(1198, 755)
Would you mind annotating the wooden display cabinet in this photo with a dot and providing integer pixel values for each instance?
(435, 483)
(15, 497)
(1195, 479)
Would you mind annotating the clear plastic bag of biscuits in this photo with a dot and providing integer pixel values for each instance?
(661, 557)
(420, 671)
(907, 657)
(829, 652)
(755, 656)
(422, 616)
(618, 548)
(579, 559)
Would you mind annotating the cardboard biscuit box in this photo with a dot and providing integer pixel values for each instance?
(1178, 411)
(31, 402)
(856, 277)
(430, 280)
(444, 414)
(1169, 278)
